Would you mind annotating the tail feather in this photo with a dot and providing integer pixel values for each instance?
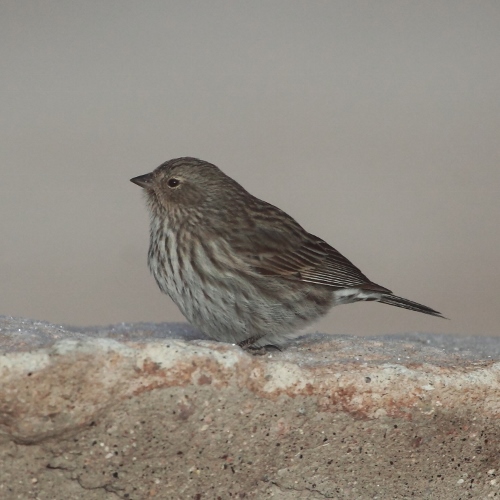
(394, 300)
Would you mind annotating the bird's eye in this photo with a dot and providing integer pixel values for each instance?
(173, 182)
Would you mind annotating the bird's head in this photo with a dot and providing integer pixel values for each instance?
(189, 183)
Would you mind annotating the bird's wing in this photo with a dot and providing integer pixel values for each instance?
(288, 251)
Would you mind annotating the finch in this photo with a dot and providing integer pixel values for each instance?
(240, 269)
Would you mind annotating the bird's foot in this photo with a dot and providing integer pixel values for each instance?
(261, 351)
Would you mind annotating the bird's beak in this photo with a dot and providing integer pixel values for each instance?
(145, 181)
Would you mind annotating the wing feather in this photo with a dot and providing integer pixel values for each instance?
(291, 253)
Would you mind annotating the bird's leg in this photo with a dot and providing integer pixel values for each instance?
(249, 341)
(248, 346)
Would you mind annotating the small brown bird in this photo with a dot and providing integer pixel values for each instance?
(240, 269)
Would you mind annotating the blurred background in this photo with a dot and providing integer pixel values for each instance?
(375, 124)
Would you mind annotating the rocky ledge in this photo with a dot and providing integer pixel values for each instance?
(156, 411)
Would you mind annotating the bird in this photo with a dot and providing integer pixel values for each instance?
(240, 269)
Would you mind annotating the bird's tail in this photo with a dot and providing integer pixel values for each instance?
(394, 300)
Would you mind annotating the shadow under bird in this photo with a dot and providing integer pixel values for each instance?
(240, 269)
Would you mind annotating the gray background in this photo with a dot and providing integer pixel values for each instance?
(375, 124)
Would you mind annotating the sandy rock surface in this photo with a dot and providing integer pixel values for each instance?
(156, 411)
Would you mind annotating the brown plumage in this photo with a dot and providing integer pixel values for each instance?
(241, 269)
